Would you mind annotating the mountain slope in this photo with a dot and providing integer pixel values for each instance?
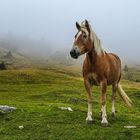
(38, 96)
(13, 59)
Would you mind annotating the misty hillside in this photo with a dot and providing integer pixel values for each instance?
(27, 52)
(13, 59)
(38, 52)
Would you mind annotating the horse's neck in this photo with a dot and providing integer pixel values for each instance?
(93, 57)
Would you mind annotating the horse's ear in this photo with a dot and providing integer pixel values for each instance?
(78, 26)
(86, 24)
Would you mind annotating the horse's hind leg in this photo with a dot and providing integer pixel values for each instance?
(103, 86)
(114, 90)
(88, 87)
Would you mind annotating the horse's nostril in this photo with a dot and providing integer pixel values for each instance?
(72, 52)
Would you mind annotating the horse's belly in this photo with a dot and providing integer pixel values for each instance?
(95, 80)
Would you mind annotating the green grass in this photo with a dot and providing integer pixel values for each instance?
(38, 94)
(132, 74)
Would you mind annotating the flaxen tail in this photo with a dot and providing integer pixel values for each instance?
(124, 96)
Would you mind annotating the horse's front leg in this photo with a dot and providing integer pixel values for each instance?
(103, 87)
(88, 87)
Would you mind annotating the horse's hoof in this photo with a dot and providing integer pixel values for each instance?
(89, 122)
(113, 114)
(105, 124)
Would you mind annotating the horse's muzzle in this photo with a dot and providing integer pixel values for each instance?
(74, 53)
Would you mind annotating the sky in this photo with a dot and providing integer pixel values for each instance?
(116, 22)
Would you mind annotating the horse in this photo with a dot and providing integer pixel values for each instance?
(99, 68)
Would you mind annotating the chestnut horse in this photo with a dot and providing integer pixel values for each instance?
(100, 68)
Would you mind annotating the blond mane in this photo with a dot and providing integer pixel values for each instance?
(94, 38)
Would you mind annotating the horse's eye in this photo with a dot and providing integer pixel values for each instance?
(84, 36)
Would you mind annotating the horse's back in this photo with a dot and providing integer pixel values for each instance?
(114, 56)
(114, 60)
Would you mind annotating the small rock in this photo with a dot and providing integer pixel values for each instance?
(69, 109)
(129, 127)
(66, 108)
(21, 127)
(6, 109)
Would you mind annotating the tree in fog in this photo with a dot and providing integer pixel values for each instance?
(125, 68)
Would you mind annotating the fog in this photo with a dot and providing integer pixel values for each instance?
(41, 27)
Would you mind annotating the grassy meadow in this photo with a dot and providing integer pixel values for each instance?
(38, 94)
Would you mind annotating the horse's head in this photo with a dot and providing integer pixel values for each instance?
(82, 42)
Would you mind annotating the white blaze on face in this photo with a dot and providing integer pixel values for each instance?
(74, 45)
(82, 31)
(79, 33)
